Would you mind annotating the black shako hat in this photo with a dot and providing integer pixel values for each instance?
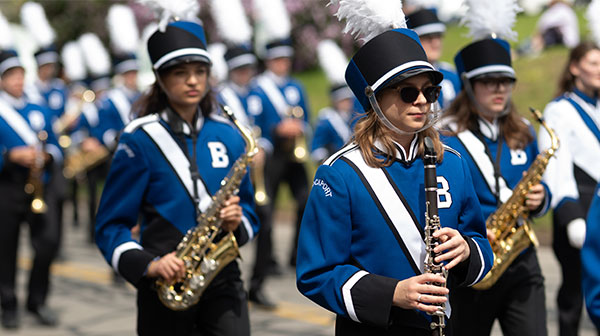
(182, 41)
(487, 57)
(46, 55)
(123, 63)
(386, 59)
(279, 48)
(8, 60)
(238, 56)
(424, 22)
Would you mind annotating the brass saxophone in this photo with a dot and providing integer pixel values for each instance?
(432, 224)
(512, 239)
(78, 161)
(202, 257)
(258, 177)
(300, 148)
(35, 182)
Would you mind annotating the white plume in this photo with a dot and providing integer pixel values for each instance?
(487, 18)
(122, 28)
(6, 41)
(593, 16)
(274, 18)
(369, 18)
(173, 10)
(95, 55)
(423, 3)
(333, 61)
(34, 19)
(231, 21)
(72, 59)
(217, 56)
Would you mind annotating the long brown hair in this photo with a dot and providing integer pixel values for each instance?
(369, 129)
(566, 82)
(515, 131)
(155, 100)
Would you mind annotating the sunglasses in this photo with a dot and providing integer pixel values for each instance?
(410, 94)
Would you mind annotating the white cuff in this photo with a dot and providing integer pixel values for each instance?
(576, 232)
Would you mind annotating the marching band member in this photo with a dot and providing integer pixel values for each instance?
(168, 164)
(21, 126)
(361, 252)
(499, 146)
(431, 32)
(48, 90)
(273, 102)
(333, 130)
(572, 176)
(590, 257)
(235, 91)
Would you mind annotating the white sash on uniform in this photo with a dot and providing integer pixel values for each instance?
(16, 121)
(477, 151)
(395, 210)
(233, 101)
(178, 161)
(274, 94)
(122, 104)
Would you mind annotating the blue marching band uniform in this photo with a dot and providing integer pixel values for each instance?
(572, 176)
(590, 257)
(20, 124)
(380, 202)
(333, 130)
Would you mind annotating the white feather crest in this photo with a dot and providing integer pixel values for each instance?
(217, 56)
(423, 3)
(369, 18)
(6, 40)
(95, 55)
(122, 28)
(333, 61)
(72, 59)
(274, 18)
(34, 19)
(487, 18)
(593, 16)
(172, 10)
(231, 21)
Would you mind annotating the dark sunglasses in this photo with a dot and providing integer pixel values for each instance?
(409, 94)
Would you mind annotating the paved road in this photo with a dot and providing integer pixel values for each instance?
(90, 304)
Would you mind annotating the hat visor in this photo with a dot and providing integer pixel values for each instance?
(185, 59)
(436, 76)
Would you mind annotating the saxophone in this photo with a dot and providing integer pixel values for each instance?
(202, 257)
(512, 239)
(35, 182)
(432, 224)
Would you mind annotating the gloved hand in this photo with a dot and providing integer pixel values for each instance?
(576, 232)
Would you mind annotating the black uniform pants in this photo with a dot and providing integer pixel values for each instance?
(222, 311)
(517, 300)
(45, 232)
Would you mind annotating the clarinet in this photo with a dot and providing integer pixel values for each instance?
(432, 224)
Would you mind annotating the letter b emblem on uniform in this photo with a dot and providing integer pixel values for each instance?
(218, 153)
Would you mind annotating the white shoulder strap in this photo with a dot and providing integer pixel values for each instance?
(275, 95)
(122, 104)
(16, 121)
(177, 160)
(477, 151)
(233, 100)
(394, 208)
(340, 126)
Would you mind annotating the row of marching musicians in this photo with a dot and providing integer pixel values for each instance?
(53, 137)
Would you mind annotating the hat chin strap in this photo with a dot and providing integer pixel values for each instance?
(433, 115)
(482, 110)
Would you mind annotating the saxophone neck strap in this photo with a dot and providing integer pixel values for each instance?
(496, 161)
